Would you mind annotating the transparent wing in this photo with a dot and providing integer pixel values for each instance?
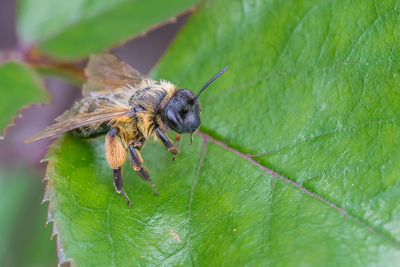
(85, 119)
(107, 72)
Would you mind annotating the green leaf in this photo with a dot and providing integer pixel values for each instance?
(299, 165)
(74, 29)
(25, 240)
(20, 86)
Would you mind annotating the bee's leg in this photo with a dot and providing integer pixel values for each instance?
(116, 156)
(118, 185)
(136, 162)
(167, 142)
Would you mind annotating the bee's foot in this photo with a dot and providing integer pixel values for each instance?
(155, 191)
(173, 151)
(191, 139)
(127, 198)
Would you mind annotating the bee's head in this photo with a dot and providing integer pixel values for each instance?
(182, 113)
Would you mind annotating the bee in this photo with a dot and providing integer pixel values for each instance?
(129, 109)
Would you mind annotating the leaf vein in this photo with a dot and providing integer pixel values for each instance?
(195, 180)
(268, 217)
(303, 189)
(108, 231)
(367, 29)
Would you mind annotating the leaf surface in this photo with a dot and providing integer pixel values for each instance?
(297, 162)
(19, 86)
(74, 29)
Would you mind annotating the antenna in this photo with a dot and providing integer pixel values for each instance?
(209, 82)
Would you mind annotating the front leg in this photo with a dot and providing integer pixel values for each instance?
(166, 141)
(136, 162)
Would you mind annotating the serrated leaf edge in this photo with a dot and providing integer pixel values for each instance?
(42, 86)
(48, 196)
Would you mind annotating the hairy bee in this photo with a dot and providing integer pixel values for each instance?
(129, 108)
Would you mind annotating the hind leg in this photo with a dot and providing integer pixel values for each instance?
(136, 162)
(118, 185)
(116, 156)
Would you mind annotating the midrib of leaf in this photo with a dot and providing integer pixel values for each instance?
(195, 180)
(267, 220)
(108, 231)
(274, 174)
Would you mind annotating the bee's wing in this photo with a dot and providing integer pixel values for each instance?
(83, 119)
(107, 72)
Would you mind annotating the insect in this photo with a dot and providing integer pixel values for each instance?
(130, 109)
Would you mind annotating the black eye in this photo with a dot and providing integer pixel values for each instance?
(185, 109)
